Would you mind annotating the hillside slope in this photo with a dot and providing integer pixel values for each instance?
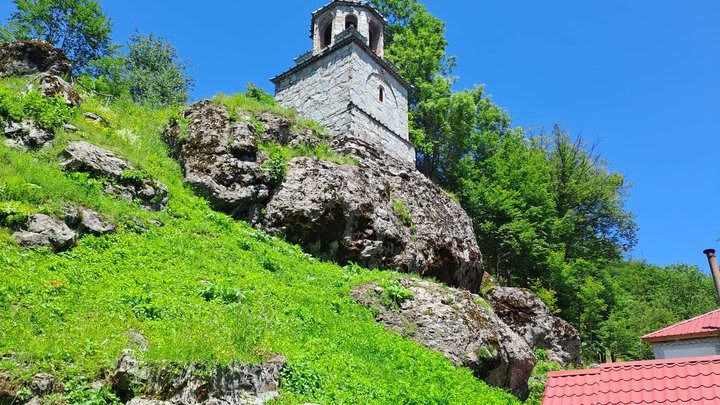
(200, 287)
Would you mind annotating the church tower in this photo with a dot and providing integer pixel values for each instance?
(346, 83)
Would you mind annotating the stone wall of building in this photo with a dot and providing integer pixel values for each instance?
(341, 90)
(320, 91)
(687, 348)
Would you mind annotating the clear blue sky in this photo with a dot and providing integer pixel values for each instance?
(640, 76)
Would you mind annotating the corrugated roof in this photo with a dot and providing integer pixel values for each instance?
(676, 381)
(698, 327)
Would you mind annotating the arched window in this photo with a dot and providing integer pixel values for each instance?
(326, 35)
(381, 94)
(351, 22)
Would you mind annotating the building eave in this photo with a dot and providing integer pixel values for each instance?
(348, 39)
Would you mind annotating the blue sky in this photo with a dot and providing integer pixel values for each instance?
(642, 77)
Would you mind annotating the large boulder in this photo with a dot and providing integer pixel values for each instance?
(377, 213)
(30, 57)
(527, 315)
(169, 383)
(456, 323)
(126, 182)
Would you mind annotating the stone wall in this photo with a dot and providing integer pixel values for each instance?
(320, 90)
(341, 91)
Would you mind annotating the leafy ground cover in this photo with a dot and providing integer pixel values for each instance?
(202, 287)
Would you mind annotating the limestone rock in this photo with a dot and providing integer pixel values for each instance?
(530, 318)
(100, 163)
(44, 231)
(379, 213)
(457, 324)
(220, 161)
(88, 158)
(234, 384)
(93, 223)
(51, 85)
(44, 384)
(31, 240)
(26, 134)
(96, 118)
(29, 57)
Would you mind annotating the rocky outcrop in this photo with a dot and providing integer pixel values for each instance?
(527, 315)
(377, 213)
(30, 57)
(51, 85)
(456, 323)
(25, 135)
(166, 384)
(42, 230)
(124, 180)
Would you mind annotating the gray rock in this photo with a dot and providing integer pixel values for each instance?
(530, 318)
(93, 223)
(60, 236)
(96, 118)
(101, 163)
(70, 127)
(26, 135)
(30, 57)
(88, 158)
(51, 85)
(378, 213)
(144, 401)
(196, 384)
(458, 324)
(31, 240)
(44, 384)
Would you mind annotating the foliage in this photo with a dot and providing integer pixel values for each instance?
(256, 93)
(394, 293)
(539, 376)
(276, 167)
(78, 27)
(155, 74)
(202, 288)
(50, 113)
(403, 214)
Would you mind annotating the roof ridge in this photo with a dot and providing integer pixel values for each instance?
(649, 335)
(625, 364)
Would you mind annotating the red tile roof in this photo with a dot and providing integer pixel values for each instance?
(698, 327)
(677, 381)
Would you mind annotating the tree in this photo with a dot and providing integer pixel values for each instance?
(78, 27)
(154, 73)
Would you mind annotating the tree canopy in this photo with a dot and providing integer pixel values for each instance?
(78, 27)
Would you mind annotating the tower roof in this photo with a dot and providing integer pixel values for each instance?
(334, 3)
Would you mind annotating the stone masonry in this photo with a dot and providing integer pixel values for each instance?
(345, 83)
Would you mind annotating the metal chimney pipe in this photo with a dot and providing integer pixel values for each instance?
(714, 268)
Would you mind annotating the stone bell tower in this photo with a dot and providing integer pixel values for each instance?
(345, 82)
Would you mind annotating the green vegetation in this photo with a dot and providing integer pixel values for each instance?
(548, 212)
(50, 113)
(403, 214)
(78, 27)
(538, 379)
(203, 287)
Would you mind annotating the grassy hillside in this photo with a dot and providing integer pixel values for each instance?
(202, 287)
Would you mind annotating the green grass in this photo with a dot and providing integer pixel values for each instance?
(200, 288)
